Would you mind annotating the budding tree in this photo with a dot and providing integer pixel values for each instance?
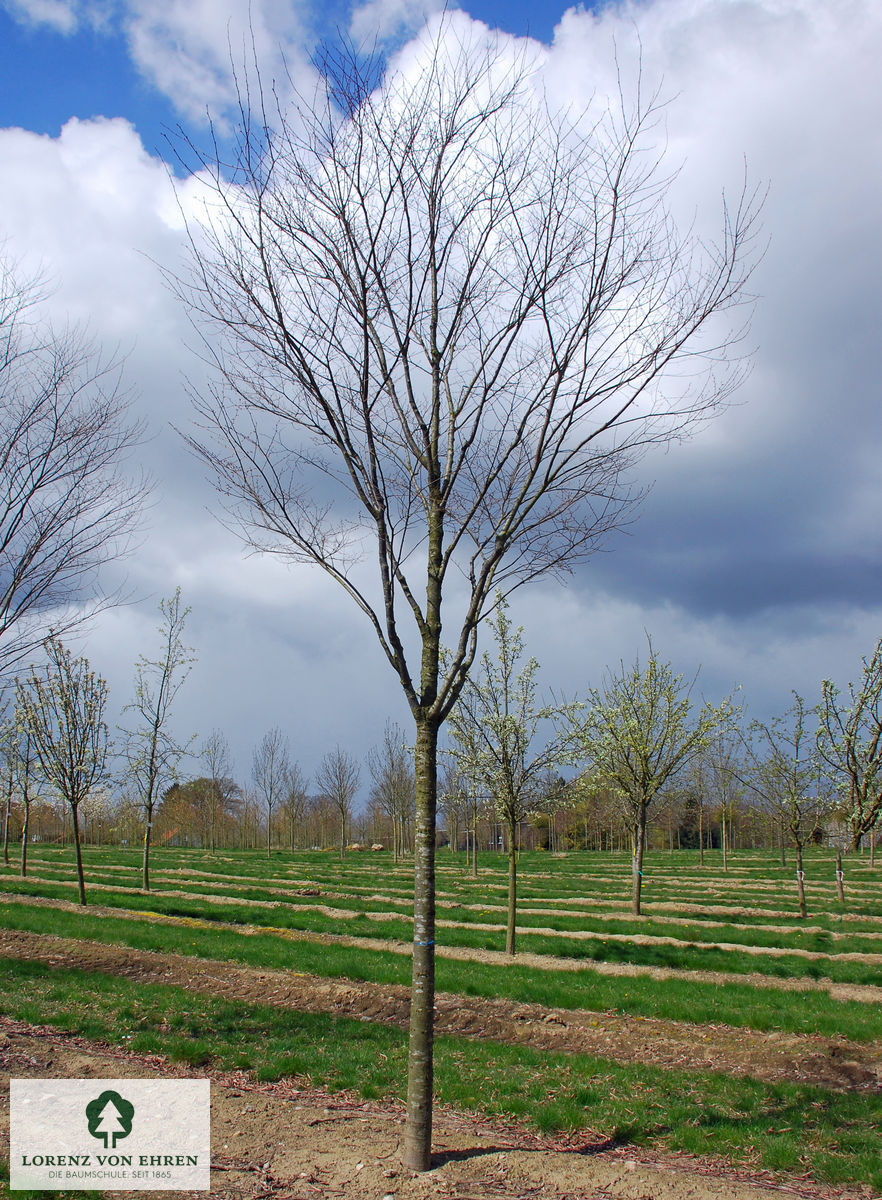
(637, 733)
(63, 705)
(494, 728)
(449, 320)
(66, 507)
(151, 750)
(784, 771)
(850, 742)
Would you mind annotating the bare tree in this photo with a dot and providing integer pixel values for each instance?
(66, 508)
(271, 773)
(494, 728)
(151, 751)
(391, 769)
(337, 778)
(637, 734)
(216, 753)
(450, 322)
(63, 704)
(295, 801)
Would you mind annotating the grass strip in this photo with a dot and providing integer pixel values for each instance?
(781, 1127)
(738, 1005)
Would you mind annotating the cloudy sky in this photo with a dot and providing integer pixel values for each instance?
(757, 551)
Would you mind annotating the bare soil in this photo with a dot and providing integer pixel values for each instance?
(837, 1063)
(285, 1142)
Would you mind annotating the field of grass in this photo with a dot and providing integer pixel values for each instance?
(734, 950)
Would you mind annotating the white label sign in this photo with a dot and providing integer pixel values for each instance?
(110, 1134)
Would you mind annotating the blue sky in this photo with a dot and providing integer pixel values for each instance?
(758, 552)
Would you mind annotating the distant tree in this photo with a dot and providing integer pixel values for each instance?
(393, 790)
(637, 733)
(337, 778)
(216, 799)
(783, 769)
(723, 770)
(850, 743)
(270, 772)
(453, 801)
(152, 753)
(63, 705)
(65, 506)
(294, 801)
(493, 730)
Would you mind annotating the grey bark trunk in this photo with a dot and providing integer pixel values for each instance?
(800, 883)
(145, 867)
(840, 877)
(76, 833)
(637, 879)
(418, 1127)
(512, 889)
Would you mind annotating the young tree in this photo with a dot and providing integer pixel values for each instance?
(337, 778)
(271, 771)
(450, 322)
(850, 743)
(784, 772)
(494, 728)
(66, 507)
(152, 753)
(391, 770)
(221, 788)
(295, 800)
(63, 705)
(637, 733)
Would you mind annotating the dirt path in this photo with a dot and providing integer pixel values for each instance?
(863, 993)
(831, 1063)
(281, 1142)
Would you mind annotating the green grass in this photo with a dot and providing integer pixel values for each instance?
(733, 1004)
(779, 1127)
(690, 956)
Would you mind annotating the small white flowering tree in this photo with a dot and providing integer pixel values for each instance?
(638, 731)
(494, 728)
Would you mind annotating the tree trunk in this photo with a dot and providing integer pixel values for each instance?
(800, 883)
(701, 835)
(840, 877)
(512, 888)
(639, 836)
(418, 1128)
(24, 839)
(145, 868)
(475, 842)
(342, 836)
(76, 834)
(723, 841)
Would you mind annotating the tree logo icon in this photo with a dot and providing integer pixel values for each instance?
(110, 1118)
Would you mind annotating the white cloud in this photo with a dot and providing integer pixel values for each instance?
(385, 20)
(790, 474)
(60, 15)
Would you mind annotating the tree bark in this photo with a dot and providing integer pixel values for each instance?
(637, 869)
(24, 840)
(145, 869)
(76, 833)
(512, 889)
(840, 877)
(418, 1129)
(800, 883)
